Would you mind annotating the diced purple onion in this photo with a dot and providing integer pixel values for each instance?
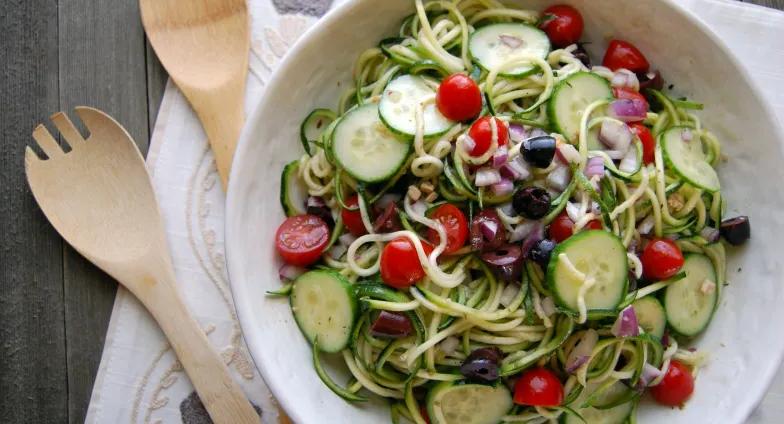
(509, 294)
(522, 231)
(535, 236)
(516, 169)
(388, 198)
(468, 143)
(649, 373)
(511, 41)
(626, 325)
(615, 154)
(336, 251)
(594, 167)
(391, 325)
(517, 132)
(506, 186)
(419, 207)
(548, 306)
(567, 153)
(489, 229)
(582, 350)
(449, 345)
(665, 340)
(573, 211)
(486, 177)
(315, 202)
(559, 178)
(346, 239)
(646, 225)
(628, 110)
(629, 162)
(625, 78)
(686, 135)
(616, 135)
(710, 234)
(537, 132)
(290, 272)
(576, 363)
(500, 156)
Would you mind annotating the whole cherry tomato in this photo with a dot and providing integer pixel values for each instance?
(458, 98)
(455, 225)
(661, 259)
(562, 227)
(648, 142)
(676, 387)
(482, 134)
(563, 25)
(623, 54)
(353, 219)
(301, 239)
(400, 266)
(629, 94)
(538, 387)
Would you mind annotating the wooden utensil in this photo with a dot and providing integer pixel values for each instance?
(204, 46)
(100, 198)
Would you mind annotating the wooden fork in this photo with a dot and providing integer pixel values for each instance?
(100, 198)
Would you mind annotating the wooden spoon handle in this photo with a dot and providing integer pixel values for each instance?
(221, 395)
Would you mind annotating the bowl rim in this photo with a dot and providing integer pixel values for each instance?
(315, 32)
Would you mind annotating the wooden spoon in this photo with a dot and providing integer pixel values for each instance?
(100, 198)
(204, 46)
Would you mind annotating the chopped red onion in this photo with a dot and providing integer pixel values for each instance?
(559, 178)
(315, 202)
(567, 153)
(616, 135)
(336, 251)
(419, 208)
(548, 306)
(347, 239)
(511, 41)
(500, 156)
(626, 324)
(517, 132)
(504, 187)
(537, 132)
(468, 143)
(686, 135)
(489, 229)
(487, 176)
(508, 209)
(522, 231)
(516, 169)
(388, 198)
(581, 352)
(629, 162)
(573, 211)
(535, 236)
(628, 110)
(290, 272)
(625, 78)
(449, 345)
(615, 154)
(710, 234)
(576, 363)
(665, 340)
(509, 294)
(646, 225)
(594, 167)
(649, 374)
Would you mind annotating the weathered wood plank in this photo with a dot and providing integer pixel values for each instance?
(102, 64)
(33, 379)
(776, 4)
(156, 85)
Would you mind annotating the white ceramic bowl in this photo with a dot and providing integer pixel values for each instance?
(745, 339)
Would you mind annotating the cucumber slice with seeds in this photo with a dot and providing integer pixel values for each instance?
(493, 45)
(570, 98)
(450, 403)
(591, 415)
(314, 125)
(690, 302)
(325, 307)
(687, 159)
(398, 105)
(650, 315)
(293, 191)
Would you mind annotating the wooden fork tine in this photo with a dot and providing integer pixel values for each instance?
(47, 143)
(30, 156)
(67, 129)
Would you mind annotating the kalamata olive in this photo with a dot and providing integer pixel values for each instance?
(532, 202)
(487, 231)
(491, 353)
(541, 252)
(652, 80)
(506, 260)
(582, 54)
(388, 221)
(736, 230)
(317, 207)
(482, 364)
(391, 325)
(539, 151)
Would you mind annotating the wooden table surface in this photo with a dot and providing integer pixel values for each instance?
(54, 306)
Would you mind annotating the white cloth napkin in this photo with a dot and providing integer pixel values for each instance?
(139, 380)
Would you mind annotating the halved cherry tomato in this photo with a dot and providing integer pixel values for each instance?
(562, 227)
(455, 225)
(353, 219)
(676, 387)
(400, 266)
(538, 387)
(458, 98)
(482, 134)
(627, 93)
(661, 259)
(648, 143)
(563, 25)
(623, 54)
(301, 239)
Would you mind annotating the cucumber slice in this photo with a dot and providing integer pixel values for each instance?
(650, 315)
(689, 302)
(325, 307)
(615, 415)
(314, 125)
(610, 394)
(293, 191)
(687, 159)
(398, 107)
(493, 45)
(364, 147)
(450, 403)
(570, 98)
(599, 255)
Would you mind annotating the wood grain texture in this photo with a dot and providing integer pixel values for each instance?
(33, 378)
(102, 64)
(156, 84)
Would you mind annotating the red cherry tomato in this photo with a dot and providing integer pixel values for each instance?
(455, 225)
(661, 259)
(300, 240)
(648, 143)
(629, 94)
(676, 387)
(563, 25)
(482, 134)
(562, 227)
(458, 98)
(623, 54)
(353, 219)
(538, 387)
(400, 266)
